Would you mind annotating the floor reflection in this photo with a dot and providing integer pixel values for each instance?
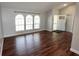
(28, 43)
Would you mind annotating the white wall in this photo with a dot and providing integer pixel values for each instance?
(0, 29)
(50, 18)
(70, 12)
(8, 19)
(0, 24)
(75, 39)
(1, 37)
(50, 21)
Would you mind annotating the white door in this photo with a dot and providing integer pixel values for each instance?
(59, 22)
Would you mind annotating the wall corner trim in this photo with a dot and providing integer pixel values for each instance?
(74, 50)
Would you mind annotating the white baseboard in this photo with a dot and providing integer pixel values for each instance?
(49, 30)
(75, 51)
(22, 33)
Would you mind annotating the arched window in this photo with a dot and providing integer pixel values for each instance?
(19, 22)
(29, 22)
(36, 22)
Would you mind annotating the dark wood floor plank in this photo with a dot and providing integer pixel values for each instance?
(42, 43)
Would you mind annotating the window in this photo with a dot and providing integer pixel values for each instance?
(19, 22)
(29, 22)
(36, 22)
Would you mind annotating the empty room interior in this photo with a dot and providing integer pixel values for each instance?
(39, 29)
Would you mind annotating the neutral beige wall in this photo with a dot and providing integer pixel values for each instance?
(70, 12)
(75, 38)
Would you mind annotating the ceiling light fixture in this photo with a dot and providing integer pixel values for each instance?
(65, 4)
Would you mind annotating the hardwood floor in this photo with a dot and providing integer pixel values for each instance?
(39, 44)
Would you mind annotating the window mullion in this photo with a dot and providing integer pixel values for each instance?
(24, 23)
(33, 22)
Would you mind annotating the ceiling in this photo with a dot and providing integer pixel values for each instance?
(31, 6)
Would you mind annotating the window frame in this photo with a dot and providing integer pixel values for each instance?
(37, 23)
(19, 30)
(24, 20)
(28, 24)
